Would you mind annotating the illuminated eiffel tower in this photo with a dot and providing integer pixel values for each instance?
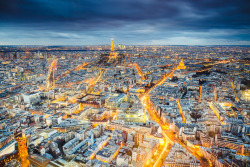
(112, 53)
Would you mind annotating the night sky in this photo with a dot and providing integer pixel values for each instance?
(130, 22)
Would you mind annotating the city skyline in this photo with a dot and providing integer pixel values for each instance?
(124, 83)
(32, 22)
(131, 106)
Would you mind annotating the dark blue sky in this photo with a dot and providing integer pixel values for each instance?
(149, 22)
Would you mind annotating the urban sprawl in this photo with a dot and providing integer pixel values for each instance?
(117, 105)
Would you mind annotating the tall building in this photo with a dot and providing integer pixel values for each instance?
(112, 53)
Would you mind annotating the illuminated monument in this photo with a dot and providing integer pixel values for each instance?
(181, 65)
(112, 53)
(112, 58)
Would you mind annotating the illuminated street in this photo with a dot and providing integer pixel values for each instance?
(170, 138)
(168, 135)
(148, 83)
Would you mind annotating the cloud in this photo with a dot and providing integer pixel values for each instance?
(125, 19)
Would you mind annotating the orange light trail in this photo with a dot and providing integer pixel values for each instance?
(160, 82)
(117, 151)
(69, 71)
(23, 151)
(152, 110)
(59, 99)
(164, 152)
(216, 113)
(129, 59)
(166, 132)
(200, 94)
(139, 71)
(103, 144)
(180, 109)
(51, 74)
(99, 76)
(92, 84)
(235, 94)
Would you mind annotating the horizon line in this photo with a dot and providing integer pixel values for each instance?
(132, 45)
